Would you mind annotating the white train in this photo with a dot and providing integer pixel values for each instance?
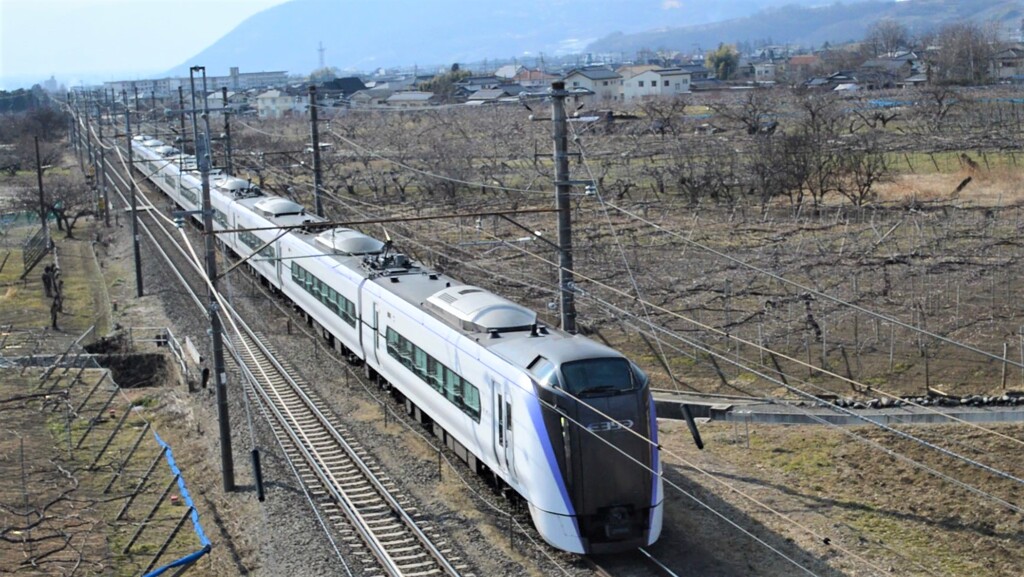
(562, 420)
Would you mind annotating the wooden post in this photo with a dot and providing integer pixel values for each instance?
(1003, 380)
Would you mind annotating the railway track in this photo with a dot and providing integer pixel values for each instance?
(639, 563)
(352, 493)
(355, 494)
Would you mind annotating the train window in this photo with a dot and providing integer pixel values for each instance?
(598, 376)
(323, 292)
(454, 388)
(471, 400)
(545, 372)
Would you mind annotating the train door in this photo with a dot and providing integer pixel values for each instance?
(376, 334)
(503, 434)
(278, 265)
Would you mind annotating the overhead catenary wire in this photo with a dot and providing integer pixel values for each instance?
(881, 391)
(734, 489)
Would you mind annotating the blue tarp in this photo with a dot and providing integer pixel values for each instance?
(186, 560)
(193, 557)
(184, 491)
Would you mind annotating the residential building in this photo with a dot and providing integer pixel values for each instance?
(507, 93)
(411, 99)
(534, 79)
(472, 84)
(165, 87)
(594, 85)
(280, 104)
(659, 82)
(764, 72)
(1007, 65)
(509, 71)
(371, 97)
(802, 67)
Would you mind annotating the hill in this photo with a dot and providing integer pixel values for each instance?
(813, 26)
(367, 35)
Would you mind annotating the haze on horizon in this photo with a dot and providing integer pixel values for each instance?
(84, 41)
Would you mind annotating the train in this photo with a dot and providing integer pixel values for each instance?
(566, 422)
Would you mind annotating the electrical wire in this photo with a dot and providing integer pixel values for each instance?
(648, 318)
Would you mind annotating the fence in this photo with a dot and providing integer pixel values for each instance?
(93, 430)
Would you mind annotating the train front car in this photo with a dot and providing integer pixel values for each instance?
(599, 417)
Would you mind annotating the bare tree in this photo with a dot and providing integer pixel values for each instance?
(886, 36)
(965, 50)
(863, 165)
(753, 111)
(68, 197)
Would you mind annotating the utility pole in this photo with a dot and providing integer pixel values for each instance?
(317, 181)
(101, 173)
(43, 213)
(88, 137)
(562, 188)
(181, 119)
(203, 157)
(136, 89)
(227, 130)
(131, 186)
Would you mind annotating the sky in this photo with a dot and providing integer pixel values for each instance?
(97, 40)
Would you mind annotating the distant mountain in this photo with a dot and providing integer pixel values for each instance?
(364, 35)
(813, 26)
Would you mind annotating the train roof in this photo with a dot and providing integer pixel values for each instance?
(348, 242)
(508, 329)
(478, 310)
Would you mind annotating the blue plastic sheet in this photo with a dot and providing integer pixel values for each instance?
(184, 491)
(193, 557)
(186, 560)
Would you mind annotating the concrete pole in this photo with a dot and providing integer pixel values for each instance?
(131, 185)
(220, 374)
(43, 212)
(317, 179)
(227, 131)
(562, 189)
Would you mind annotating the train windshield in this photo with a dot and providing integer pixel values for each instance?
(606, 376)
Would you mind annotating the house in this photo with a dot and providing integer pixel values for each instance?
(507, 93)
(280, 104)
(471, 84)
(237, 102)
(1007, 65)
(659, 82)
(509, 71)
(411, 99)
(764, 72)
(802, 67)
(696, 71)
(885, 72)
(594, 85)
(370, 98)
(534, 79)
(341, 88)
(831, 81)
